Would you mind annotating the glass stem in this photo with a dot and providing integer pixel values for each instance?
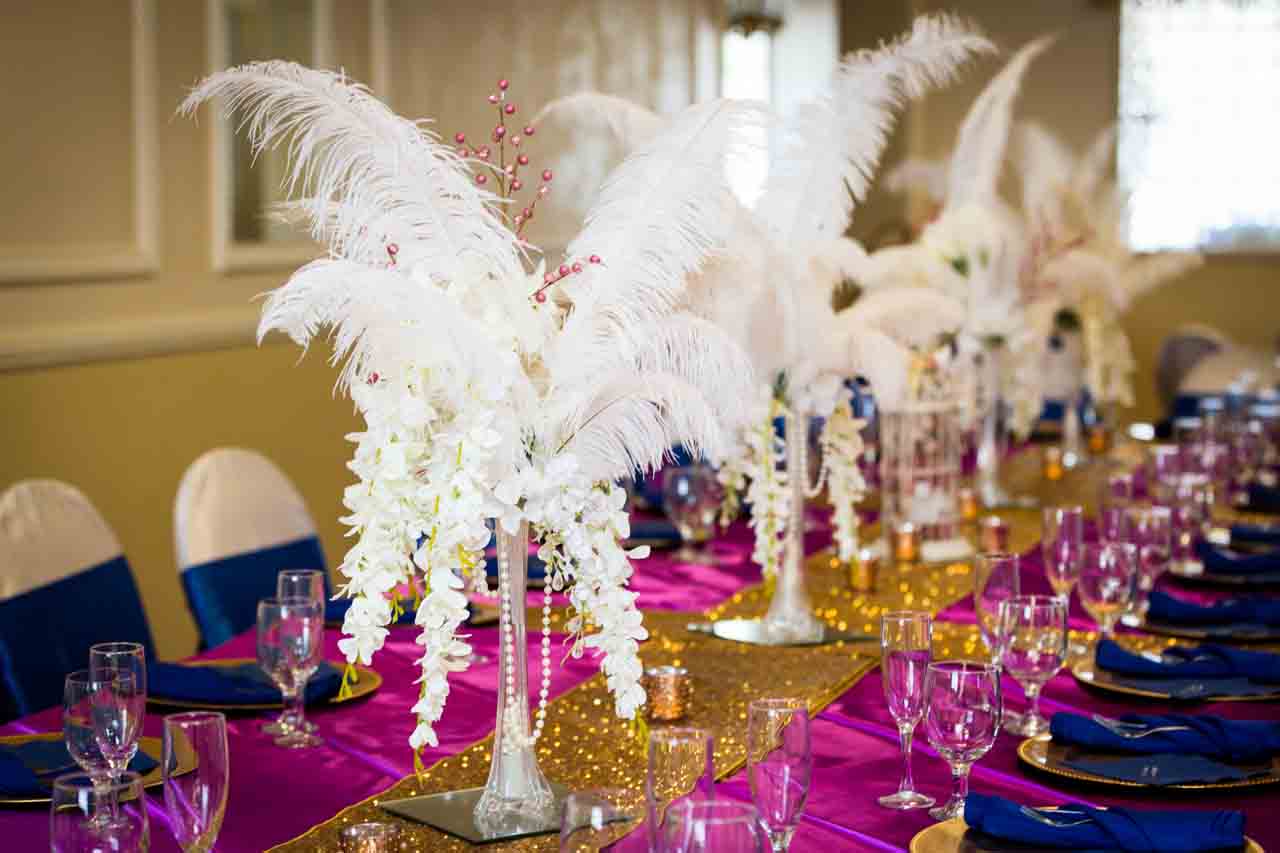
(295, 708)
(904, 735)
(104, 796)
(780, 839)
(1032, 690)
(960, 775)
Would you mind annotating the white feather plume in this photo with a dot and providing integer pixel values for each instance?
(914, 316)
(1091, 173)
(1045, 165)
(630, 124)
(928, 176)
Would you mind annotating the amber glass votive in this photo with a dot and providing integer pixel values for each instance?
(371, 837)
(967, 504)
(670, 691)
(1099, 439)
(1051, 463)
(993, 535)
(863, 570)
(906, 542)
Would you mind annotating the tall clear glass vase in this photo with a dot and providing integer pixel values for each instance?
(990, 433)
(1073, 450)
(517, 796)
(790, 617)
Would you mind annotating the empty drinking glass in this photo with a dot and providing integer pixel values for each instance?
(128, 660)
(195, 797)
(779, 764)
(117, 707)
(691, 498)
(1113, 523)
(995, 578)
(1106, 582)
(962, 721)
(906, 647)
(79, 690)
(296, 583)
(290, 643)
(120, 657)
(84, 818)
(1163, 467)
(1151, 533)
(1062, 534)
(713, 826)
(680, 769)
(1033, 631)
(598, 819)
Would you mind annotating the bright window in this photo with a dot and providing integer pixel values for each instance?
(747, 73)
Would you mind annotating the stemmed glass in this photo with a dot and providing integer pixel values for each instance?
(1118, 489)
(296, 583)
(779, 764)
(962, 721)
(84, 818)
(995, 578)
(1033, 642)
(128, 661)
(290, 642)
(906, 647)
(1113, 523)
(598, 819)
(79, 690)
(1151, 533)
(196, 799)
(1062, 538)
(679, 770)
(713, 826)
(691, 498)
(1106, 582)
(1163, 467)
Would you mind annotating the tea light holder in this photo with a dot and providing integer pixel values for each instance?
(1099, 439)
(967, 504)
(670, 692)
(863, 570)
(371, 837)
(906, 542)
(993, 535)
(1052, 465)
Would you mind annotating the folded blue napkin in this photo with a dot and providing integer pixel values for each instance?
(1162, 769)
(28, 769)
(1263, 533)
(1206, 661)
(1224, 561)
(1239, 612)
(1207, 735)
(1075, 827)
(1264, 498)
(653, 530)
(241, 684)
(335, 610)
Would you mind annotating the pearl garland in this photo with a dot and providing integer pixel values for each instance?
(514, 720)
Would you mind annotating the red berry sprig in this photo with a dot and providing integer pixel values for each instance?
(560, 273)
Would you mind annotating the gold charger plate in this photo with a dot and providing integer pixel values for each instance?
(152, 746)
(1197, 575)
(369, 681)
(952, 836)
(1043, 754)
(1087, 674)
(1261, 634)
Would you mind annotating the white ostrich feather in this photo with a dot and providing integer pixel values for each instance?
(1091, 173)
(370, 177)
(631, 124)
(883, 362)
(1046, 166)
(980, 146)
(914, 316)
(928, 176)
(937, 47)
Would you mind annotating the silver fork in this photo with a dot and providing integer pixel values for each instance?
(1041, 817)
(1133, 731)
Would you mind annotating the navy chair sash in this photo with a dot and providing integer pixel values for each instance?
(223, 595)
(46, 633)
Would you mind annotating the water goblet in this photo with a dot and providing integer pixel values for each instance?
(84, 818)
(296, 583)
(995, 578)
(691, 498)
(599, 819)
(117, 709)
(1151, 533)
(129, 659)
(196, 800)
(962, 721)
(1106, 584)
(906, 647)
(779, 764)
(1033, 645)
(713, 826)
(290, 642)
(679, 770)
(78, 691)
(1062, 534)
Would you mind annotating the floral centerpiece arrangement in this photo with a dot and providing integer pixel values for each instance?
(491, 387)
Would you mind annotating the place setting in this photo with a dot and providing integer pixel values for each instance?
(1204, 673)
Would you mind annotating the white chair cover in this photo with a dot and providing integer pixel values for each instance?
(1233, 367)
(1182, 351)
(48, 531)
(232, 501)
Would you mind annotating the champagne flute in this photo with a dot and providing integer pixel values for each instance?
(779, 764)
(130, 659)
(1113, 523)
(83, 817)
(1151, 533)
(1163, 467)
(296, 583)
(290, 640)
(995, 578)
(78, 690)
(599, 819)
(713, 826)
(679, 770)
(1106, 582)
(196, 800)
(962, 721)
(906, 647)
(691, 498)
(117, 709)
(1062, 537)
(1033, 632)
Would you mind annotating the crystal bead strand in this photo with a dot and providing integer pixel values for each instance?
(506, 636)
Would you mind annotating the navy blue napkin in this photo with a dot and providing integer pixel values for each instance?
(1075, 827)
(1206, 661)
(1264, 498)
(28, 769)
(653, 531)
(1240, 741)
(1224, 561)
(1239, 612)
(242, 684)
(1262, 533)
(335, 610)
(1162, 769)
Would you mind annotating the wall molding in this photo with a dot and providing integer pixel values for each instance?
(107, 261)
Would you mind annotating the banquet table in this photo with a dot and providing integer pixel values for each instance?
(296, 800)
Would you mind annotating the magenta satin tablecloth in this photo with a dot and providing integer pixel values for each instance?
(277, 794)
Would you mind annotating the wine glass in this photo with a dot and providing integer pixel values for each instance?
(713, 826)
(779, 764)
(995, 578)
(1151, 533)
(78, 691)
(679, 769)
(1113, 523)
(1163, 467)
(962, 721)
(290, 641)
(691, 497)
(1033, 630)
(1062, 534)
(117, 708)
(196, 777)
(906, 647)
(120, 657)
(598, 819)
(83, 817)
(296, 583)
(128, 659)
(1106, 582)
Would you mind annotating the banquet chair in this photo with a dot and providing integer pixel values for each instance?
(1196, 362)
(64, 585)
(238, 522)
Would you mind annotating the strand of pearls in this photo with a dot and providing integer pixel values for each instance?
(515, 719)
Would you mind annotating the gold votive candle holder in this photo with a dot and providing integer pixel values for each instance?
(670, 692)
(906, 542)
(1051, 463)
(863, 570)
(993, 535)
(370, 837)
(967, 504)
(1099, 439)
